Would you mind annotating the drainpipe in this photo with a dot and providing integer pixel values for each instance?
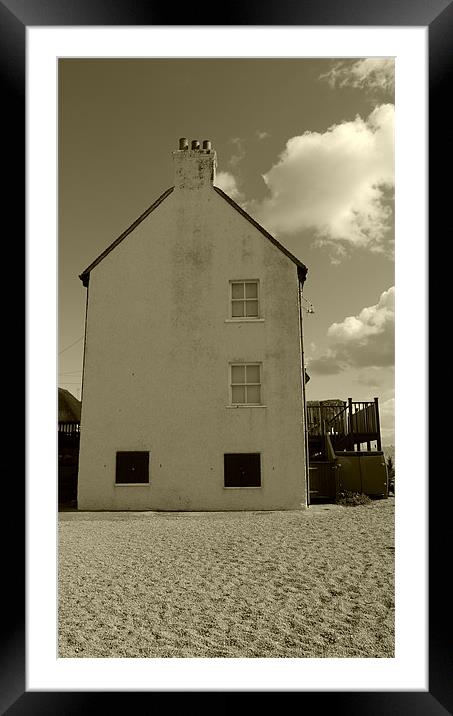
(302, 274)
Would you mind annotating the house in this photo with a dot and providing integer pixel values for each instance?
(69, 409)
(193, 381)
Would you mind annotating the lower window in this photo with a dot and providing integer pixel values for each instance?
(132, 467)
(242, 469)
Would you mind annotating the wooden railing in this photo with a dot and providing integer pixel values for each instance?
(363, 418)
(352, 418)
(338, 424)
(319, 417)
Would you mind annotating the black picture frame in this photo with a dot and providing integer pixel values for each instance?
(437, 16)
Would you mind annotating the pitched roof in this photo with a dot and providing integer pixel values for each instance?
(85, 275)
(260, 228)
(69, 408)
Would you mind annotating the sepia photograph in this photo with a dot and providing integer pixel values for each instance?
(226, 250)
(226, 329)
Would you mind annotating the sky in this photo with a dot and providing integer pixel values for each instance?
(306, 146)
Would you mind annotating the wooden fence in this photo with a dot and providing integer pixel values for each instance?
(69, 427)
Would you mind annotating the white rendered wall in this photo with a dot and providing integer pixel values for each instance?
(158, 347)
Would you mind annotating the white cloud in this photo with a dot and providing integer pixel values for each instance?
(334, 184)
(372, 73)
(227, 182)
(371, 321)
(361, 341)
(262, 135)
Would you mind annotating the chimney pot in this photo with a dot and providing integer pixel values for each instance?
(195, 169)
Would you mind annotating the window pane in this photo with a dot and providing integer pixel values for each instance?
(237, 290)
(238, 394)
(253, 374)
(251, 308)
(237, 309)
(238, 373)
(251, 290)
(253, 394)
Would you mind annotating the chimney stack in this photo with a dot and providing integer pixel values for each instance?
(195, 167)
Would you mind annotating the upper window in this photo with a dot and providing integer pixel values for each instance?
(244, 299)
(132, 467)
(246, 384)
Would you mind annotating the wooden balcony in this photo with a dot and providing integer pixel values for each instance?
(349, 424)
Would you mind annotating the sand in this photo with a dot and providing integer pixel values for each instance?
(312, 583)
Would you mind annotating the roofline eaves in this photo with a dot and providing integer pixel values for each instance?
(302, 269)
(85, 275)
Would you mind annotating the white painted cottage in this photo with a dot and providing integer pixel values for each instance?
(193, 380)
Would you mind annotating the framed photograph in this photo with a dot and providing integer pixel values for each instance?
(83, 77)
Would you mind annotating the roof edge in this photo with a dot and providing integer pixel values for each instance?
(85, 275)
(302, 269)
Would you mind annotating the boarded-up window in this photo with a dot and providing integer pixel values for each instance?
(242, 469)
(132, 467)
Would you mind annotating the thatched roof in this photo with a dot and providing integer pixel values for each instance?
(69, 407)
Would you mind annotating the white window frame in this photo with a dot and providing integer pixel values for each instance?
(244, 300)
(234, 364)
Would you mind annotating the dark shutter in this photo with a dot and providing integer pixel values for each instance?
(242, 469)
(132, 467)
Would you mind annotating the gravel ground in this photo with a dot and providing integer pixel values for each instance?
(315, 583)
